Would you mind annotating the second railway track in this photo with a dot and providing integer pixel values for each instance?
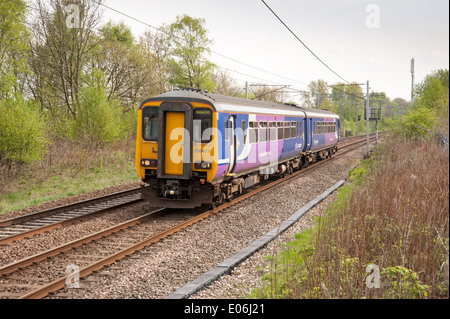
(29, 225)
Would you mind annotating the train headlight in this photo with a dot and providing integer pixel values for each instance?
(203, 165)
(148, 162)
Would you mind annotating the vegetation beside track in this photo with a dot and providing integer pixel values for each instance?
(70, 170)
(392, 218)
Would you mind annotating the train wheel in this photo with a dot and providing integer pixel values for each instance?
(241, 189)
(218, 201)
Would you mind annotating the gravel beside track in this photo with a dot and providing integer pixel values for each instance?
(164, 267)
(168, 265)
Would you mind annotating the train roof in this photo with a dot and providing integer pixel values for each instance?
(223, 103)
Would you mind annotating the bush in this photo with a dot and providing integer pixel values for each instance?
(418, 123)
(99, 120)
(23, 136)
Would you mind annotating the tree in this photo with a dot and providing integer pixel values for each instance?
(189, 67)
(429, 114)
(226, 85)
(22, 132)
(431, 89)
(14, 38)
(61, 50)
(267, 93)
(156, 48)
(316, 89)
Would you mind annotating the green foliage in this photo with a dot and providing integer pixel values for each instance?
(430, 110)
(418, 123)
(188, 66)
(117, 32)
(431, 89)
(404, 283)
(22, 132)
(14, 37)
(99, 120)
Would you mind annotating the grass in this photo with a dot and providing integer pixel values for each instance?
(74, 170)
(392, 217)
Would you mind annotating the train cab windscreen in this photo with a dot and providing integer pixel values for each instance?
(202, 125)
(150, 123)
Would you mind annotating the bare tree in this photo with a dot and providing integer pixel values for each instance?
(225, 84)
(63, 44)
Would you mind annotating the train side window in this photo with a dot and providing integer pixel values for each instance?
(253, 132)
(244, 136)
(280, 130)
(202, 128)
(150, 123)
(287, 130)
(293, 129)
(272, 131)
(300, 128)
(226, 130)
(263, 131)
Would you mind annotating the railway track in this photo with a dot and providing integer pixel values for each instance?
(29, 225)
(41, 274)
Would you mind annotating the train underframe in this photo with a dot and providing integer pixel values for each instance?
(195, 192)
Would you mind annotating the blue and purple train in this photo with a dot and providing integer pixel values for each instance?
(197, 148)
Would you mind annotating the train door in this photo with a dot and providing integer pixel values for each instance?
(175, 140)
(231, 136)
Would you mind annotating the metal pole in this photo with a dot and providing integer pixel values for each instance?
(412, 82)
(376, 133)
(367, 117)
(246, 89)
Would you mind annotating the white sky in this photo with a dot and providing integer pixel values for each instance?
(337, 31)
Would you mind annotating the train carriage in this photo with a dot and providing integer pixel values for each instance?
(197, 148)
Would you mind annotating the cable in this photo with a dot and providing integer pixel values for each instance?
(211, 51)
(176, 38)
(302, 41)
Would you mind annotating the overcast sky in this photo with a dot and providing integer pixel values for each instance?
(360, 40)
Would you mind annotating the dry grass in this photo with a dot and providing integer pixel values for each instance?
(396, 217)
(68, 169)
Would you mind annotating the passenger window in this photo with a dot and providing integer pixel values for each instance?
(293, 129)
(244, 136)
(287, 130)
(272, 131)
(280, 130)
(150, 123)
(202, 128)
(253, 132)
(263, 131)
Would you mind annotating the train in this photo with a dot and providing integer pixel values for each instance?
(195, 148)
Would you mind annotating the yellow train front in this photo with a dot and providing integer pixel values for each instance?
(172, 156)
